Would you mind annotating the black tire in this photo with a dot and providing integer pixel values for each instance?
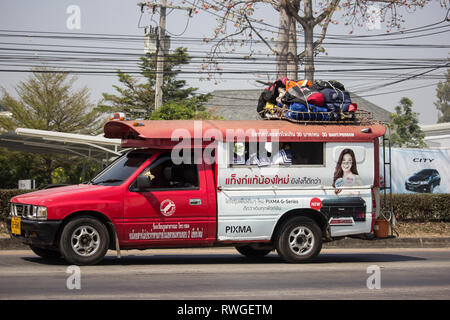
(84, 241)
(252, 252)
(45, 253)
(299, 240)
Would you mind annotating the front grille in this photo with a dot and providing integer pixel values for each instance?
(21, 210)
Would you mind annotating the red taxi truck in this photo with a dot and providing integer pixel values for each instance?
(255, 185)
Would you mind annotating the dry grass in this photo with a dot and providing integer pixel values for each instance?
(423, 229)
(3, 231)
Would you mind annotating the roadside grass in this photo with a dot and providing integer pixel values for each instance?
(422, 229)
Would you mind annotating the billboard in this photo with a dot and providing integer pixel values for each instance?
(419, 170)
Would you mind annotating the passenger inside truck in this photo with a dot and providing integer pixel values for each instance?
(284, 155)
(276, 154)
(165, 174)
(253, 153)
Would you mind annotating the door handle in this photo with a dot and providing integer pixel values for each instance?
(195, 202)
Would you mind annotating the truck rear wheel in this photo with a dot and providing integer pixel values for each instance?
(84, 241)
(299, 240)
(252, 252)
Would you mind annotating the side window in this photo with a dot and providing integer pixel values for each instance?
(167, 175)
(310, 153)
(250, 153)
(273, 154)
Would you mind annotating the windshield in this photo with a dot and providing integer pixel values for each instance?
(426, 172)
(121, 169)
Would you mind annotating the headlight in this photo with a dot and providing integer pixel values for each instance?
(38, 213)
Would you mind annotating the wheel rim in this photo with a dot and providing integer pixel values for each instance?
(85, 241)
(301, 240)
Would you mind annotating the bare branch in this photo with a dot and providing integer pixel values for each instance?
(327, 12)
(319, 41)
(293, 12)
(259, 36)
(226, 38)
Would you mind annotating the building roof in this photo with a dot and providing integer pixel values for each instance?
(436, 129)
(437, 135)
(241, 105)
(4, 112)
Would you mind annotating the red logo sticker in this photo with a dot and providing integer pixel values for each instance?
(167, 207)
(315, 204)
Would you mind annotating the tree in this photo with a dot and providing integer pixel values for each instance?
(238, 15)
(138, 98)
(16, 166)
(443, 102)
(48, 101)
(405, 127)
(189, 109)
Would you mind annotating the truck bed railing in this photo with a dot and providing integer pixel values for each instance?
(360, 117)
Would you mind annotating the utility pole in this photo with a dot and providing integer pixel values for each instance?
(163, 45)
(160, 53)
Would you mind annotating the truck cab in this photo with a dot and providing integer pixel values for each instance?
(255, 185)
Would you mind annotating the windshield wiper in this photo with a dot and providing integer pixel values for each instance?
(107, 181)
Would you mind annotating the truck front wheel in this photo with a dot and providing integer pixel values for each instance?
(45, 253)
(299, 240)
(84, 241)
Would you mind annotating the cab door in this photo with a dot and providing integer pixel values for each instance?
(174, 210)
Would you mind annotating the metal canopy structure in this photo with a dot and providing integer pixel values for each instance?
(97, 148)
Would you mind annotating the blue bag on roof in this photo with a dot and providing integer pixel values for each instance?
(298, 111)
(318, 113)
(336, 100)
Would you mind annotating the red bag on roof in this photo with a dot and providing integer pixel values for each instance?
(304, 95)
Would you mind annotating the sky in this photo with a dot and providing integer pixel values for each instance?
(33, 19)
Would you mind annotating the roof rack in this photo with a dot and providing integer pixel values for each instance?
(359, 117)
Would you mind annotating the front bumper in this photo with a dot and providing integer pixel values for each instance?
(417, 187)
(37, 233)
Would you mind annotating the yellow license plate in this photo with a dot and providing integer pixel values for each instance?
(15, 225)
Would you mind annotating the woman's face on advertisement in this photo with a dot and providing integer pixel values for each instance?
(346, 164)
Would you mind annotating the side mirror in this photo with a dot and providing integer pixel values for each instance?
(143, 183)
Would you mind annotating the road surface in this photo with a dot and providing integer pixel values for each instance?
(223, 274)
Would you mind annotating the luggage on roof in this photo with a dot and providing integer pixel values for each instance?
(269, 95)
(301, 100)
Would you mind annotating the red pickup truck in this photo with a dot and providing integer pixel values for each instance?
(256, 185)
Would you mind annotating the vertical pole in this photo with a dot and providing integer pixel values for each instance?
(160, 56)
(309, 41)
(283, 41)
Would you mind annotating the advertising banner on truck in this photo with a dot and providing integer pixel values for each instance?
(419, 170)
(257, 188)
